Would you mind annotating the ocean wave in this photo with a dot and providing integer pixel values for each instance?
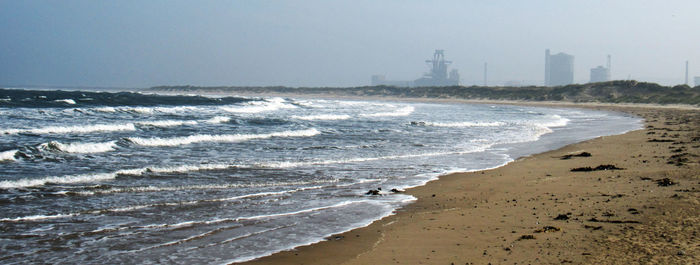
(177, 141)
(166, 123)
(100, 127)
(405, 111)
(72, 179)
(558, 121)
(58, 98)
(36, 218)
(143, 189)
(67, 101)
(253, 217)
(8, 155)
(323, 117)
(74, 129)
(105, 109)
(218, 119)
(80, 148)
(251, 107)
(291, 164)
(32, 182)
(459, 124)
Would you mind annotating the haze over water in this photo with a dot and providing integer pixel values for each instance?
(337, 43)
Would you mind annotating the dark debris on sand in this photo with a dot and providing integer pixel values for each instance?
(582, 154)
(601, 167)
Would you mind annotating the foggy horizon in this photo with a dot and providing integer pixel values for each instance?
(134, 44)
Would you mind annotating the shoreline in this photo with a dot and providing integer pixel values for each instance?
(464, 204)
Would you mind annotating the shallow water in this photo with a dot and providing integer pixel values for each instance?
(232, 179)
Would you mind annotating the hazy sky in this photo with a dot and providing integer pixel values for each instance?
(337, 43)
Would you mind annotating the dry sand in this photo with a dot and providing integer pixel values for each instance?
(537, 211)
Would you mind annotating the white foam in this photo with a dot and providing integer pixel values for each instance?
(464, 124)
(272, 104)
(8, 155)
(81, 148)
(31, 182)
(405, 111)
(74, 129)
(255, 217)
(218, 119)
(558, 121)
(166, 123)
(323, 117)
(36, 217)
(199, 138)
(201, 187)
(175, 110)
(141, 110)
(67, 101)
(105, 109)
(288, 164)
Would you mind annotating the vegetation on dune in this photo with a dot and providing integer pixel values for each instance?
(606, 92)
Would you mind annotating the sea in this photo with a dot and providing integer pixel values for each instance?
(109, 178)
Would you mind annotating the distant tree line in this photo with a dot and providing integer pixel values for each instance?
(628, 91)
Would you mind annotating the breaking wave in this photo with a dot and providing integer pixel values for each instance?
(218, 119)
(58, 98)
(167, 123)
(459, 124)
(67, 101)
(8, 155)
(405, 111)
(74, 129)
(323, 117)
(176, 141)
(260, 106)
(80, 148)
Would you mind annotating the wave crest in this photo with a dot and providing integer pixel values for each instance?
(8, 155)
(74, 129)
(80, 148)
(199, 138)
(323, 117)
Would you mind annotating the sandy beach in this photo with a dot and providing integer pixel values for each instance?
(623, 199)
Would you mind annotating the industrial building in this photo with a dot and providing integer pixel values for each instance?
(438, 72)
(558, 69)
(437, 76)
(600, 73)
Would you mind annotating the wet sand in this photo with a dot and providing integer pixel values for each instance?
(633, 199)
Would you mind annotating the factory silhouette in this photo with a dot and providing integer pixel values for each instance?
(436, 77)
(558, 71)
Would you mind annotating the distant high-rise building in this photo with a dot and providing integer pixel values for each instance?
(558, 69)
(600, 74)
(697, 81)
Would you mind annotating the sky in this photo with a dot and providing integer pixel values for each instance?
(136, 44)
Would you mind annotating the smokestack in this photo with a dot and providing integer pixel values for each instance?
(486, 71)
(686, 72)
(546, 67)
(609, 66)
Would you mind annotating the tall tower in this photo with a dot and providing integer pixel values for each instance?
(486, 70)
(609, 66)
(686, 72)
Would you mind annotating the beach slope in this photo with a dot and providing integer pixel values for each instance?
(623, 199)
